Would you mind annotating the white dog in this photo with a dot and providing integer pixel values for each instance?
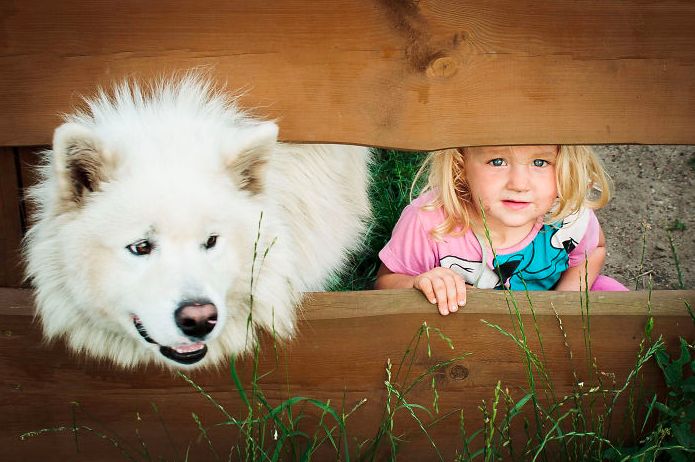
(171, 225)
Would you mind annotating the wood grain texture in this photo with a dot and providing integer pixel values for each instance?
(29, 160)
(341, 358)
(427, 74)
(10, 221)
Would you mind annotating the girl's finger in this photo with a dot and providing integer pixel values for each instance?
(451, 293)
(440, 292)
(425, 286)
(460, 291)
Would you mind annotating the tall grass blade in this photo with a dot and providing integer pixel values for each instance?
(676, 260)
(204, 434)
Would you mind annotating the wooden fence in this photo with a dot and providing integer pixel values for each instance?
(404, 74)
(341, 354)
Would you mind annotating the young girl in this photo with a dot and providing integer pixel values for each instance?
(507, 216)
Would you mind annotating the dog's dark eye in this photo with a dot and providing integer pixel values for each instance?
(140, 248)
(211, 242)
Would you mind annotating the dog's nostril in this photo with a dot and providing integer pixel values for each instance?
(196, 319)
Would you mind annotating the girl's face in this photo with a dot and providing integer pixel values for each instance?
(515, 184)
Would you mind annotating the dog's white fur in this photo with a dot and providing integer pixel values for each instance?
(174, 163)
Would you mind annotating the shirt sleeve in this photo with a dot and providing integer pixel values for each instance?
(588, 242)
(411, 250)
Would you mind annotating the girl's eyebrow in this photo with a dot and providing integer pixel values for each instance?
(501, 151)
(545, 152)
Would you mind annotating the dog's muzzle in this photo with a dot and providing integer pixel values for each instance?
(183, 354)
(196, 318)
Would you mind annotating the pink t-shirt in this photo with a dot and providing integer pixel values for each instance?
(412, 250)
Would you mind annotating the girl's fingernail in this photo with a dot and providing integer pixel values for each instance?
(462, 302)
(453, 308)
(433, 300)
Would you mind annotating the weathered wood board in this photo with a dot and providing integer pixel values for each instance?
(340, 353)
(10, 220)
(426, 74)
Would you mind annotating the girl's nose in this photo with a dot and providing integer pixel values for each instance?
(518, 179)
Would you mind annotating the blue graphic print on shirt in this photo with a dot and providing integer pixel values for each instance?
(538, 266)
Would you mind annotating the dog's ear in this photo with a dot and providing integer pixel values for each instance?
(247, 151)
(79, 162)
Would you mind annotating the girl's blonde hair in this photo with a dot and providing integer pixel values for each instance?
(580, 176)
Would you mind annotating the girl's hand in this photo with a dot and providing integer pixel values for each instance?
(443, 287)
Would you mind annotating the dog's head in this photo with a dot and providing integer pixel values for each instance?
(149, 215)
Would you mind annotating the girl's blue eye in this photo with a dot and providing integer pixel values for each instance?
(540, 163)
(496, 162)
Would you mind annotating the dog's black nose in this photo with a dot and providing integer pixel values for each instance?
(196, 318)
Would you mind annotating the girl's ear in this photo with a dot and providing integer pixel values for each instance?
(247, 151)
(79, 163)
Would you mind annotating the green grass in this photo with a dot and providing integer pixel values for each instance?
(392, 173)
(676, 225)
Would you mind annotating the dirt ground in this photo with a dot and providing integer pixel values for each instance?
(654, 187)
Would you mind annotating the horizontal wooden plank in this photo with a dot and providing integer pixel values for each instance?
(346, 305)
(341, 353)
(425, 75)
(337, 305)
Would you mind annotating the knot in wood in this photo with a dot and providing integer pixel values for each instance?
(442, 67)
(458, 372)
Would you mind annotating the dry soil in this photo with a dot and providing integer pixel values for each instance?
(654, 193)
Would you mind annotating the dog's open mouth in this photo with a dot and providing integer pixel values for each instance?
(183, 354)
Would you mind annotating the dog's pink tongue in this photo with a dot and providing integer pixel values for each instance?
(189, 348)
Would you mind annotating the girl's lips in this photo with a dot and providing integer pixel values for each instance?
(515, 205)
